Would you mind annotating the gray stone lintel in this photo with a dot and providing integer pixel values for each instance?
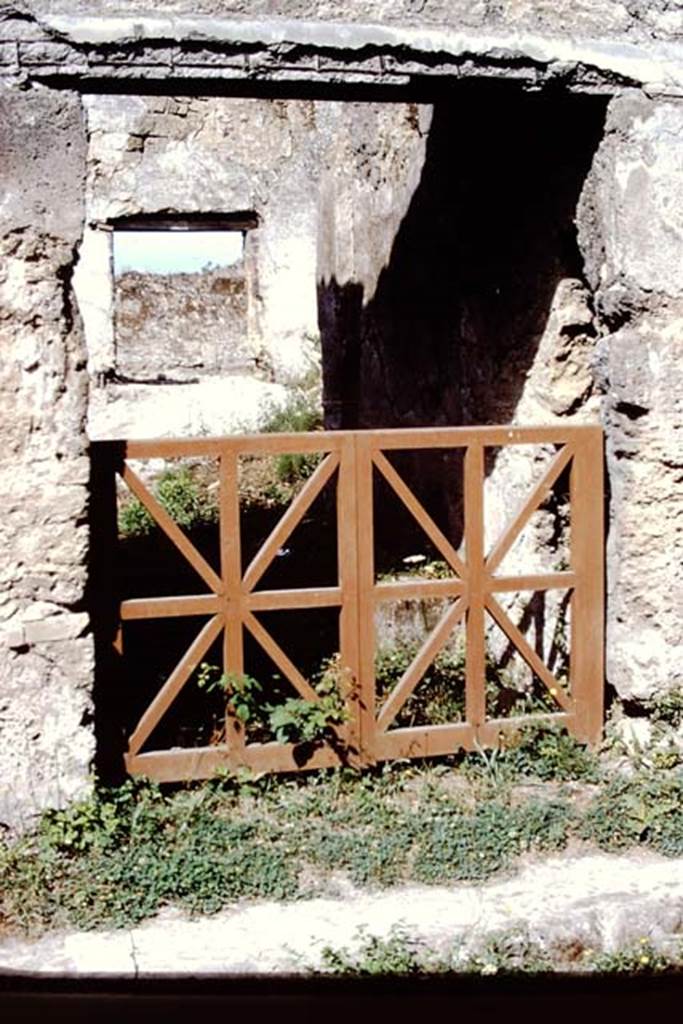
(282, 49)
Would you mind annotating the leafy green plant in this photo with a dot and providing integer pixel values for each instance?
(548, 752)
(99, 819)
(455, 845)
(642, 808)
(508, 954)
(244, 694)
(134, 520)
(179, 493)
(183, 499)
(300, 414)
(641, 958)
(88, 823)
(395, 955)
(299, 720)
(667, 709)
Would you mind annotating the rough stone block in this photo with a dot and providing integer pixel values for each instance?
(42, 139)
(46, 53)
(13, 636)
(631, 214)
(8, 54)
(21, 28)
(56, 627)
(643, 418)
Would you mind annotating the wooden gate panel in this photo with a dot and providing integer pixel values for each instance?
(355, 458)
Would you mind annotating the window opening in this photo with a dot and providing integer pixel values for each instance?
(181, 298)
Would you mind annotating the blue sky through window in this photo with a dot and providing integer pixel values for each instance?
(175, 252)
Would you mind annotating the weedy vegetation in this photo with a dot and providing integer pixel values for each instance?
(507, 954)
(293, 720)
(121, 854)
(182, 493)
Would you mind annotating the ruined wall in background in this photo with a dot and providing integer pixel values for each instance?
(181, 326)
(46, 662)
(315, 174)
(149, 155)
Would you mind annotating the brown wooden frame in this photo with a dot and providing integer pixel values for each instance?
(355, 456)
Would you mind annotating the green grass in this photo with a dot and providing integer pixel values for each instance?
(122, 854)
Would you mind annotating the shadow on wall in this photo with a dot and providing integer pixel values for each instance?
(458, 313)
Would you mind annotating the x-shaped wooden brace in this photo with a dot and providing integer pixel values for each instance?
(232, 600)
(459, 588)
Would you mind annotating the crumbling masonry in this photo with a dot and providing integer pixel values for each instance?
(415, 172)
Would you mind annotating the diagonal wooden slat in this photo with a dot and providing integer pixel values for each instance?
(539, 493)
(175, 682)
(171, 529)
(417, 510)
(278, 656)
(529, 654)
(420, 663)
(290, 520)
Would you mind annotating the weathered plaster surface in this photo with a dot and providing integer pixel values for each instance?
(46, 667)
(631, 231)
(611, 343)
(329, 183)
(595, 45)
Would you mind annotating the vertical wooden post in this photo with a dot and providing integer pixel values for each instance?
(365, 549)
(475, 665)
(347, 565)
(231, 574)
(587, 606)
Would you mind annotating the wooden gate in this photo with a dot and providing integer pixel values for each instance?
(351, 461)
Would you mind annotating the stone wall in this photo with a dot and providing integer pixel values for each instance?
(151, 155)
(631, 232)
(207, 107)
(181, 327)
(46, 667)
(633, 19)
